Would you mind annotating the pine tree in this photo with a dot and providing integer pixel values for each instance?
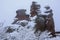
(21, 15)
(50, 21)
(34, 9)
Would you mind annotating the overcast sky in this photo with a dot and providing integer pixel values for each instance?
(9, 7)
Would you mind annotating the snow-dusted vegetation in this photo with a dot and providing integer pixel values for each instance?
(19, 32)
(33, 26)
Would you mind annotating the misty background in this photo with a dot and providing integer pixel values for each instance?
(8, 9)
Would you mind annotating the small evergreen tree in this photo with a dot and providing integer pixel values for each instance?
(35, 8)
(50, 21)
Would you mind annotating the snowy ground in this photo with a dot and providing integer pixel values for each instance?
(23, 32)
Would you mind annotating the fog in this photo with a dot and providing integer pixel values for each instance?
(9, 7)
